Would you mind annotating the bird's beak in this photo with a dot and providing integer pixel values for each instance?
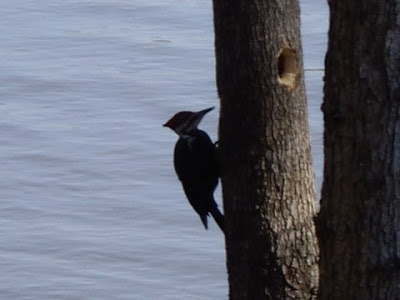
(200, 114)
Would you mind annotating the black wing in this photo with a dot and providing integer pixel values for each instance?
(196, 167)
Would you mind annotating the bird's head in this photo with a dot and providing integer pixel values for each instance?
(186, 121)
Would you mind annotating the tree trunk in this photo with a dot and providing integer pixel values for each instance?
(264, 143)
(359, 222)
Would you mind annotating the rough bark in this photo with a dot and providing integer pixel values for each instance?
(264, 145)
(359, 222)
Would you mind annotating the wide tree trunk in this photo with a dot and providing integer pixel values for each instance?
(264, 143)
(359, 222)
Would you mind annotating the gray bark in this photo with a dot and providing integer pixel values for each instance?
(264, 147)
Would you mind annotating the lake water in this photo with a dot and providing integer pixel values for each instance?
(90, 204)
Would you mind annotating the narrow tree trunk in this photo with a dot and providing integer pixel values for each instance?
(267, 176)
(359, 223)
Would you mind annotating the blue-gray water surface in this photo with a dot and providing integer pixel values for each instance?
(90, 204)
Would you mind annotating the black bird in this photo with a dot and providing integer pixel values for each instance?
(195, 164)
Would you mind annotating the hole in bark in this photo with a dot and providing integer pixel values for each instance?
(287, 67)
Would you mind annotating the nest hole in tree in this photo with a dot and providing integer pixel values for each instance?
(287, 68)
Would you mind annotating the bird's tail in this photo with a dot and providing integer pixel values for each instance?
(218, 217)
(203, 219)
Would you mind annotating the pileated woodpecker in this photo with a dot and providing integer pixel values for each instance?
(195, 164)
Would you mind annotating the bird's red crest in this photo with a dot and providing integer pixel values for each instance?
(178, 119)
